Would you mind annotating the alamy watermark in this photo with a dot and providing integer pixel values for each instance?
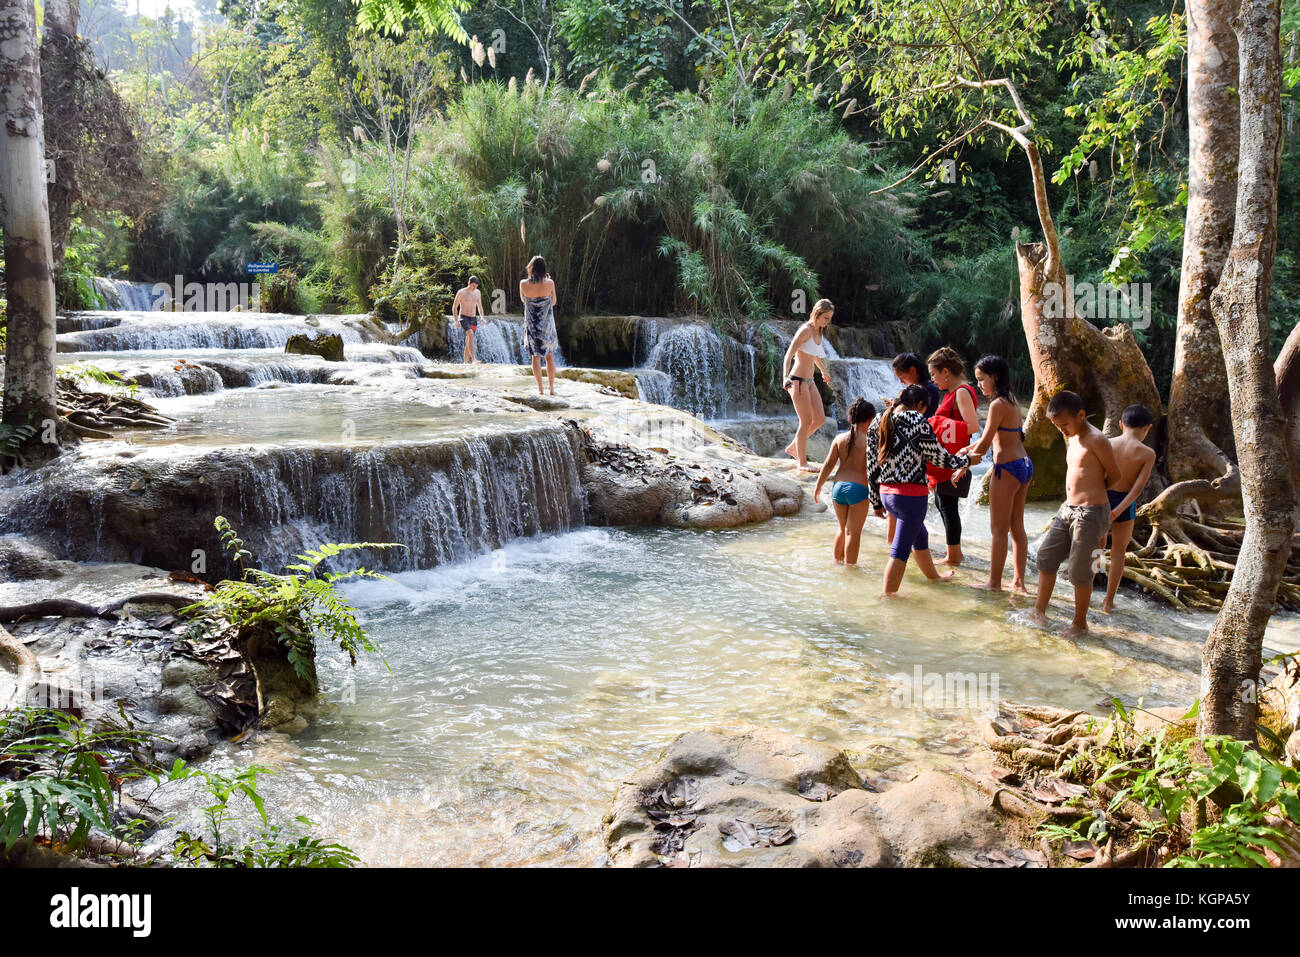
(945, 691)
(1127, 302)
(182, 296)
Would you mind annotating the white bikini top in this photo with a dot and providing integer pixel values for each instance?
(814, 348)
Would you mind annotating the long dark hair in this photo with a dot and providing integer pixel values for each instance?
(537, 269)
(910, 360)
(996, 368)
(912, 396)
(860, 411)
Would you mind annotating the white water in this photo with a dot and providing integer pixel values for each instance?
(499, 339)
(202, 330)
(122, 294)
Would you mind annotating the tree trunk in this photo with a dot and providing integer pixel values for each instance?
(1198, 433)
(29, 397)
(1287, 372)
(59, 37)
(1105, 367)
(1231, 660)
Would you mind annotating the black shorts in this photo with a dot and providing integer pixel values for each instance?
(468, 324)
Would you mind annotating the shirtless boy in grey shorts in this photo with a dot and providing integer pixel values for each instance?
(1079, 528)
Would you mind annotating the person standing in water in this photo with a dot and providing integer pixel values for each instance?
(537, 290)
(807, 353)
(1136, 459)
(959, 403)
(899, 444)
(467, 307)
(849, 494)
(910, 370)
(1013, 470)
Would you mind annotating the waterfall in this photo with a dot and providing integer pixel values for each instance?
(871, 379)
(709, 375)
(654, 386)
(121, 294)
(202, 330)
(500, 339)
(445, 500)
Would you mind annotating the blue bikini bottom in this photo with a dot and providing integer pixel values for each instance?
(1021, 469)
(848, 493)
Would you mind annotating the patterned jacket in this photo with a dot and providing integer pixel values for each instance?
(914, 444)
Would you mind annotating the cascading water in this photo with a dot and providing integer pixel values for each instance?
(499, 339)
(445, 500)
(124, 295)
(202, 330)
(707, 374)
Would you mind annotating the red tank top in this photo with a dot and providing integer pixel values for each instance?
(948, 407)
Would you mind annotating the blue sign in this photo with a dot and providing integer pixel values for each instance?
(254, 269)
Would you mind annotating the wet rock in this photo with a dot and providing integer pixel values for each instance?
(327, 345)
(936, 820)
(630, 486)
(181, 671)
(23, 560)
(745, 797)
(623, 383)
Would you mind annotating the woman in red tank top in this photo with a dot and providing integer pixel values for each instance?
(959, 403)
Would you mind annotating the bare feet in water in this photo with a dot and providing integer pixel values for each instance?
(1074, 631)
(1019, 588)
(1038, 618)
(987, 586)
(1107, 606)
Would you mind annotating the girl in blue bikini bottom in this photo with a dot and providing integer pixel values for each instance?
(1022, 470)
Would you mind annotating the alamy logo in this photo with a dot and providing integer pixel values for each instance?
(946, 691)
(75, 910)
(181, 296)
(1130, 302)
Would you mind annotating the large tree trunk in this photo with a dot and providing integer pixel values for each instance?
(1198, 432)
(1231, 660)
(29, 398)
(1105, 367)
(58, 52)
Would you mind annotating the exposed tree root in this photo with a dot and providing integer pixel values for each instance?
(66, 608)
(91, 415)
(1188, 560)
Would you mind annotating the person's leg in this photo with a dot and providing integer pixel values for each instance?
(921, 542)
(949, 508)
(890, 532)
(901, 546)
(842, 516)
(857, 516)
(550, 371)
(798, 447)
(894, 569)
(1002, 491)
(1087, 531)
(1121, 533)
(1019, 540)
(537, 373)
(1052, 550)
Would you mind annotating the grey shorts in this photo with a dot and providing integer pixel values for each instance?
(1077, 531)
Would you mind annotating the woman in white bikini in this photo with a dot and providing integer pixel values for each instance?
(806, 354)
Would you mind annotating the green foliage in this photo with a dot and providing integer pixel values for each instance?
(1162, 773)
(274, 845)
(301, 607)
(432, 16)
(419, 281)
(280, 292)
(61, 777)
(1125, 96)
(61, 780)
(81, 372)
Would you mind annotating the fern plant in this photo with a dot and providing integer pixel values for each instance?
(301, 606)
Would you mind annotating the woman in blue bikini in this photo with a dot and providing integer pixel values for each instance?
(1013, 470)
(849, 493)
